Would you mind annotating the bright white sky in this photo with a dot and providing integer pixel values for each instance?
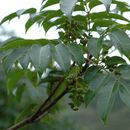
(10, 6)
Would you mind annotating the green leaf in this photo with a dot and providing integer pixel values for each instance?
(19, 92)
(19, 42)
(89, 95)
(32, 76)
(76, 53)
(121, 41)
(124, 71)
(62, 56)
(13, 80)
(24, 60)
(103, 23)
(67, 6)
(18, 14)
(45, 17)
(94, 3)
(107, 43)
(49, 24)
(79, 7)
(94, 77)
(106, 97)
(90, 73)
(114, 60)
(110, 16)
(121, 26)
(121, 5)
(49, 3)
(14, 56)
(9, 17)
(32, 20)
(52, 14)
(79, 18)
(26, 11)
(94, 47)
(124, 93)
(40, 56)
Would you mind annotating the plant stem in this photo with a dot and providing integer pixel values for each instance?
(43, 109)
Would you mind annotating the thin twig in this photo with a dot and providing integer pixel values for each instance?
(47, 108)
(20, 124)
(48, 99)
(43, 109)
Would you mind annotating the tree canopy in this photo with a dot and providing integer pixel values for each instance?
(88, 61)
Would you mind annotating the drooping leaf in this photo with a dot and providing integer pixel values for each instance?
(67, 6)
(94, 77)
(121, 5)
(14, 56)
(107, 43)
(125, 94)
(19, 92)
(79, 18)
(49, 3)
(94, 47)
(104, 15)
(9, 17)
(32, 76)
(26, 11)
(121, 41)
(49, 24)
(124, 83)
(33, 20)
(13, 80)
(44, 18)
(62, 56)
(18, 14)
(114, 60)
(52, 14)
(94, 3)
(79, 7)
(124, 71)
(40, 56)
(76, 53)
(89, 95)
(90, 73)
(106, 97)
(19, 42)
(103, 23)
(24, 60)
